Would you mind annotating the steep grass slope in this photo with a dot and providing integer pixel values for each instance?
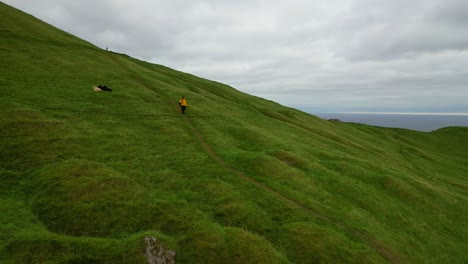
(85, 176)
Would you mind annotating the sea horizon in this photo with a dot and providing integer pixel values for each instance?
(419, 121)
(404, 113)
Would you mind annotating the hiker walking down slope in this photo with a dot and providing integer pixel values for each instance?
(183, 104)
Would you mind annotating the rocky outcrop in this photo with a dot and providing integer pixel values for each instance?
(156, 253)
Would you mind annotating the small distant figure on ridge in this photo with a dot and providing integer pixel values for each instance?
(183, 104)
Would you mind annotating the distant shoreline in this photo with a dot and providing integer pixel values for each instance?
(425, 122)
(405, 113)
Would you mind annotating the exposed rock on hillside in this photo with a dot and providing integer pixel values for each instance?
(156, 253)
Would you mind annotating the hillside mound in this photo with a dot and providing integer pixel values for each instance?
(81, 198)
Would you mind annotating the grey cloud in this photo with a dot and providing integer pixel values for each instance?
(450, 12)
(385, 30)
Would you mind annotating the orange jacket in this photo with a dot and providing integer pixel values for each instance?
(183, 102)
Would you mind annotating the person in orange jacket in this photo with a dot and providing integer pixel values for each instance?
(183, 104)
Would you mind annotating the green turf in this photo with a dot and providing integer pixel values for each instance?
(86, 175)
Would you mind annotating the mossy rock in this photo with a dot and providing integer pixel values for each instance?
(84, 198)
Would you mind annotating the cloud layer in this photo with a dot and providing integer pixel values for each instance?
(357, 55)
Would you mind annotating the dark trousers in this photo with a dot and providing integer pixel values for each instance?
(183, 108)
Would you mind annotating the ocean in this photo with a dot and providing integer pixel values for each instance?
(421, 122)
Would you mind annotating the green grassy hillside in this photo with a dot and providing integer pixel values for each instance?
(86, 175)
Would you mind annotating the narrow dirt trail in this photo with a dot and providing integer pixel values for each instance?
(387, 253)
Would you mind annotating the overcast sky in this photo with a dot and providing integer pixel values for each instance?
(318, 56)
